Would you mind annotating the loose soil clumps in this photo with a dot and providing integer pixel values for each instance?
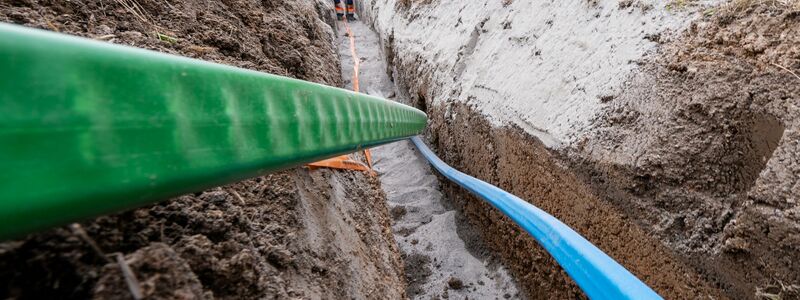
(291, 234)
(289, 39)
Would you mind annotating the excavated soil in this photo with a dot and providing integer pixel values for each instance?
(291, 234)
(290, 39)
(520, 164)
(701, 149)
(689, 179)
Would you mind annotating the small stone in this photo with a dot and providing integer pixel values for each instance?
(398, 212)
(281, 258)
(455, 283)
(131, 35)
(103, 29)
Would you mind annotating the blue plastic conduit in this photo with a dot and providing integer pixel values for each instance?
(597, 274)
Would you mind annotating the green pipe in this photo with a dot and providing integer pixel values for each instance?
(89, 128)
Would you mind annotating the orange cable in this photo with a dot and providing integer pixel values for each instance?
(343, 161)
(356, 65)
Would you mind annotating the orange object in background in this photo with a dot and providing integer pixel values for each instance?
(340, 162)
(344, 161)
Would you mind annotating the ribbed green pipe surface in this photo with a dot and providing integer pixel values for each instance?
(88, 128)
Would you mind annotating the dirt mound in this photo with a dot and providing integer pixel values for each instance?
(292, 234)
(289, 39)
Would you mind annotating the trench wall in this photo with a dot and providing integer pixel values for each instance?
(294, 234)
(680, 165)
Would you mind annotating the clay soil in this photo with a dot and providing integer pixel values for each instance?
(520, 164)
(291, 234)
(690, 180)
(707, 137)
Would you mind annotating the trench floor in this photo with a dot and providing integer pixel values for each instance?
(443, 257)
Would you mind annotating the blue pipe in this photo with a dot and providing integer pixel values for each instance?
(597, 274)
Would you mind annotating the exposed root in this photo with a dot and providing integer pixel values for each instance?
(787, 70)
(130, 278)
(775, 292)
(105, 37)
(77, 229)
(238, 197)
(735, 6)
(135, 9)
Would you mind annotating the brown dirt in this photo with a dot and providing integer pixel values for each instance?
(291, 234)
(417, 268)
(691, 180)
(701, 148)
(406, 4)
(289, 39)
(521, 165)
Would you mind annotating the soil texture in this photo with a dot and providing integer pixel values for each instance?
(523, 166)
(701, 147)
(437, 244)
(290, 39)
(686, 168)
(293, 234)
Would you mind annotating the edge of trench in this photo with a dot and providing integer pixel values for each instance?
(443, 255)
(521, 164)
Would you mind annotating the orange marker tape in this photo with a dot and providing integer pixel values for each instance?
(344, 161)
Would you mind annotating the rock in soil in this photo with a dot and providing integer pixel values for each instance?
(455, 283)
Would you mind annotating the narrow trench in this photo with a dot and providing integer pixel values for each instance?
(444, 257)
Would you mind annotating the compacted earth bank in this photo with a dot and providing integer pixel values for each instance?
(293, 234)
(665, 132)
